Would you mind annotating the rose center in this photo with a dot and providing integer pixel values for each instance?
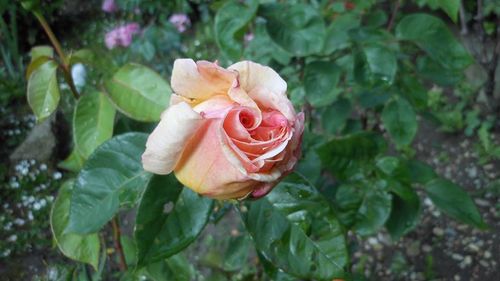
(246, 119)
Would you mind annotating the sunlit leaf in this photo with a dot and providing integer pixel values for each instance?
(93, 122)
(43, 90)
(112, 176)
(83, 248)
(138, 92)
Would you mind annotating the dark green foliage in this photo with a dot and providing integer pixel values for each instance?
(361, 76)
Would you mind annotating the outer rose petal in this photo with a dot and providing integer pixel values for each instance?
(200, 80)
(165, 144)
(253, 75)
(205, 169)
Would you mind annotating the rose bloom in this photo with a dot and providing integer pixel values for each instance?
(180, 21)
(109, 6)
(121, 36)
(228, 133)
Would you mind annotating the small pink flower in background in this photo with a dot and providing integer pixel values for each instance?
(181, 21)
(248, 37)
(121, 36)
(109, 6)
(111, 39)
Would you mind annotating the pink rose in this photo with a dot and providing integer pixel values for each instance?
(180, 21)
(121, 36)
(109, 6)
(228, 133)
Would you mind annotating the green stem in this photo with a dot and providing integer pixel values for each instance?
(393, 15)
(59, 51)
(52, 37)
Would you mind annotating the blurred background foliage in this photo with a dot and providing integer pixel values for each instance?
(376, 80)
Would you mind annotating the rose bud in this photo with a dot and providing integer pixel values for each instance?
(228, 133)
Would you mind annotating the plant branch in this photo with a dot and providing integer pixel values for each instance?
(52, 37)
(118, 244)
(480, 20)
(463, 20)
(393, 15)
(492, 69)
(59, 51)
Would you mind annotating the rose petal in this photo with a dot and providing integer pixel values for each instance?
(263, 189)
(252, 75)
(165, 144)
(272, 100)
(233, 124)
(204, 168)
(200, 80)
(215, 107)
(240, 96)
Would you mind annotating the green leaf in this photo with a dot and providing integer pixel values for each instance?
(236, 254)
(433, 71)
(255, 52)
(342, 153)
(310, 166)
(169, 218)
(273, 272)
(348, 198)
(405, 210)
(432, 35)
(320, 81)
(82, 248)
(129, 250)
(450, 7)
(413, 90)
(420, 172)
(35, 64)
(295, 228)
(337, 33)
(84, 56)
(138, 92)
(407, 171)
(375, 18)
(335, 116)
(43, 90)
(369, 35)
(373, 211)
(400, 121)
(174, 268)
(388, 164)
(298, 28)
(112, 176)
(381, 62)
(93, 122)
(454, 201)
(73, 163)
(230, 22)
(41, 51)
(372, 97)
